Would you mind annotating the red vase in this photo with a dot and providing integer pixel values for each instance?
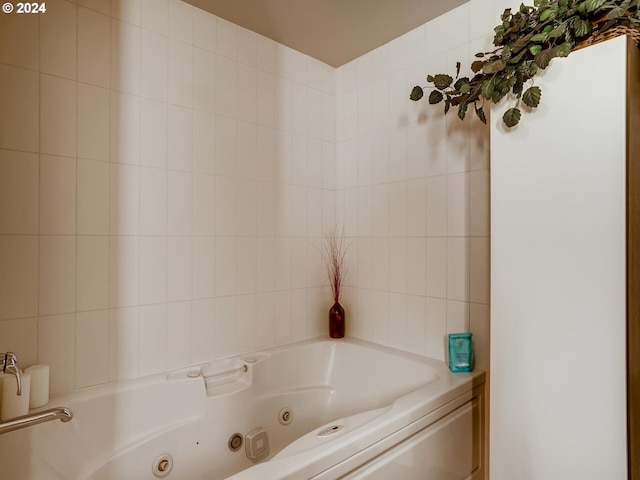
(336, 321)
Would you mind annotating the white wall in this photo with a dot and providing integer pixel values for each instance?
(166, 175)
(558, 349)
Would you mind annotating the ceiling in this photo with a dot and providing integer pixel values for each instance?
(333, 31)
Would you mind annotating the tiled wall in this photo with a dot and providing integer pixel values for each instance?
(413, 191)
(164, 176)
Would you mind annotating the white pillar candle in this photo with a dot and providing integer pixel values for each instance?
(14, 405)
(39, 385)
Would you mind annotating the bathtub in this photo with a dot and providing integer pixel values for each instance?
(318, 409)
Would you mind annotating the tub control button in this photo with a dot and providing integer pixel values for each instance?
(332, 430)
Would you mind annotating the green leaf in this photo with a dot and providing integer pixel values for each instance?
(435, 97)
(581, 27)
(493, 67)
(416, 93)
(531, 96)
(593, 5)
(558, 31)
(616, 13)
(547, 14)
(479, 55)
(563, 50)
(543, 58)
(462, 110)
(488, 87)
(447, 105)
(430, 78)
(535, 49)
(481, 115)
(540, 37)
(442, 81)
(477, 66)
(511, 117)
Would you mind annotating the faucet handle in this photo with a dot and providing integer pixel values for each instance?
(11, 366)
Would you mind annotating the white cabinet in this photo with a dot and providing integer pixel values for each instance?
(559, 290)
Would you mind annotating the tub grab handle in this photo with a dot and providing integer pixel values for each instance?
(62, 413)
(242, 369)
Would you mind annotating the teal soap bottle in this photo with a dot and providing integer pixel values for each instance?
(460, 352)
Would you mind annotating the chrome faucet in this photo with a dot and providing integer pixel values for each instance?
(9, 364)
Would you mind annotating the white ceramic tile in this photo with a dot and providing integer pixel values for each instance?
(416, 324)
(458, 204)
(225, 340)
(181, 21)
(92, 348)
(247, 221)
(180, 139)
(226, 266)
(204, 267)
(178, 334)
(457, 144)
(226, 39)
(126, 10)
(273, 217)
(329, 78)
(282, 327)
(56, 348)
(57, 195)
(93, 47)
(247, 47)
(154, 16)
(19, 176)
(265, 266)
(20, 336)
(226, 206)
(398, 104)
(298, 67)
(299, 211)
(328, 165)
(351, 212)
(204, 74)
(153, 201)
(19, 277)
(365, 211)
(436, 327)
(246, 323)
(124, 211)
(203, 330)
(458, 269)
(416, 208)
(381, 264)
(92, 273)
(283, 61)
(247, 148)
(436, 31)
(247, 265)
(436, 148)
(282, 268)
(480, 327)
(153, 133)
(329, 115)
(398, 209)
(457, 21)
(179, 203)
(226, 146)
(125, 128)
(93, 122)
(398, 265)
(180, 73)
(153, 339)
(381, 210)
(398, 154)
(365, 161)
(380, 330)
(125, 57)
(57, 274)
(365, 263)
(124, 349)
(226, 85)
(265, 319)
(397, 320)
(457, 317)
(179, 268)
(416, 266)
(437, 206)
(479, 208)
(437, 267)
(266, 54)
(282, 158)
(416, 44)
(349, 102)
(366, 101)
(247, 98)
(380, 158)
(153, 270)
(20, 40)
(92, 197)
(284, 102)
(299, 165)
(124, 271)
(416, 150)
(203, 204)
(154, 66)
(58, 116)
(314, 163)
(204, 30)
(479, 268)
(265, 98)
(58, 36)
(298, 263)
(204, 145)
(19, 122)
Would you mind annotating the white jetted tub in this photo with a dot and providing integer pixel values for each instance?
(318, 409)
